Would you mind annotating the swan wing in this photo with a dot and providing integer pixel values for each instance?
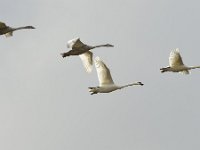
(175, 58)
(75, 43)
(2, 25)
(103, 73)
(70, 43)
(87, 61)
(78, 44)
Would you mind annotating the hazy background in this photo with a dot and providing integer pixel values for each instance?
(44, 100)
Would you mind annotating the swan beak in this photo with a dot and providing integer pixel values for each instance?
(140, 83)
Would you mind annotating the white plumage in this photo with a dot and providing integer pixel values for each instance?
(87, 60)
(103, 73)
(106, 83)
(176, 63)
(83, 50)
(175, 58)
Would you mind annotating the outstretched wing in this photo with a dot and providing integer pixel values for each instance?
(87, 60)
(75, 43)
(175, 58)
(2, 25)
(103, 72)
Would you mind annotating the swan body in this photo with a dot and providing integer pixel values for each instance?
(106, 84)
(83, 50)
(8, 31)
(176, 64)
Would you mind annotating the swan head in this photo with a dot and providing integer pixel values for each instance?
(140, 83)
(109, 45)
(30, 27)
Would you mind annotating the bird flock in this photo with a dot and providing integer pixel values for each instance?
(106, 83)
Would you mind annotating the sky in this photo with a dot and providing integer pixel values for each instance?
(44, 100)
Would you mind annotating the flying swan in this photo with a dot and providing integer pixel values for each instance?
(106, 84)
(8, 31)
(83, 50)
(176, 64)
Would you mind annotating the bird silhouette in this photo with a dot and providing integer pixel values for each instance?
(106, 84)
(8, 31)
(176, 64)
(83, 50)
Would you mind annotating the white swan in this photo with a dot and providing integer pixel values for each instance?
(8, 31)
(81, 49)
(176, 63)
(106, 83)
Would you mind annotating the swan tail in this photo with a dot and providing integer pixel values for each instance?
(9, 34)
(185, 72)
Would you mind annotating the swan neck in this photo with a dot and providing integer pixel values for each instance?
(20, 28)
(102, 45)
(124, 86)
(194, 67)
(136, 83)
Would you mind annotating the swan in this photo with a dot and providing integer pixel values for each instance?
(8, 31)
(106, 84)
(83, 50)
(176, 64)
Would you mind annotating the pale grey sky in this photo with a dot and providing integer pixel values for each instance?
(44, 100)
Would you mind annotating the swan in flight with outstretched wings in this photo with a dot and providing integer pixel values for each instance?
(8, 31)
(83, 50)
(106, 84)
(176, 63)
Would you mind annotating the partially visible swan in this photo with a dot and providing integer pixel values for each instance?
(83, 50)
(8, 31)
(106, 84)
(176, 63)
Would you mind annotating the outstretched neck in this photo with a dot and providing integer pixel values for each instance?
(25, 27)
(194, 67)
(136, 83)
(103, 45)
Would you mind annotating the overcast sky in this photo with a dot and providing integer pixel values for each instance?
(44, 100)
